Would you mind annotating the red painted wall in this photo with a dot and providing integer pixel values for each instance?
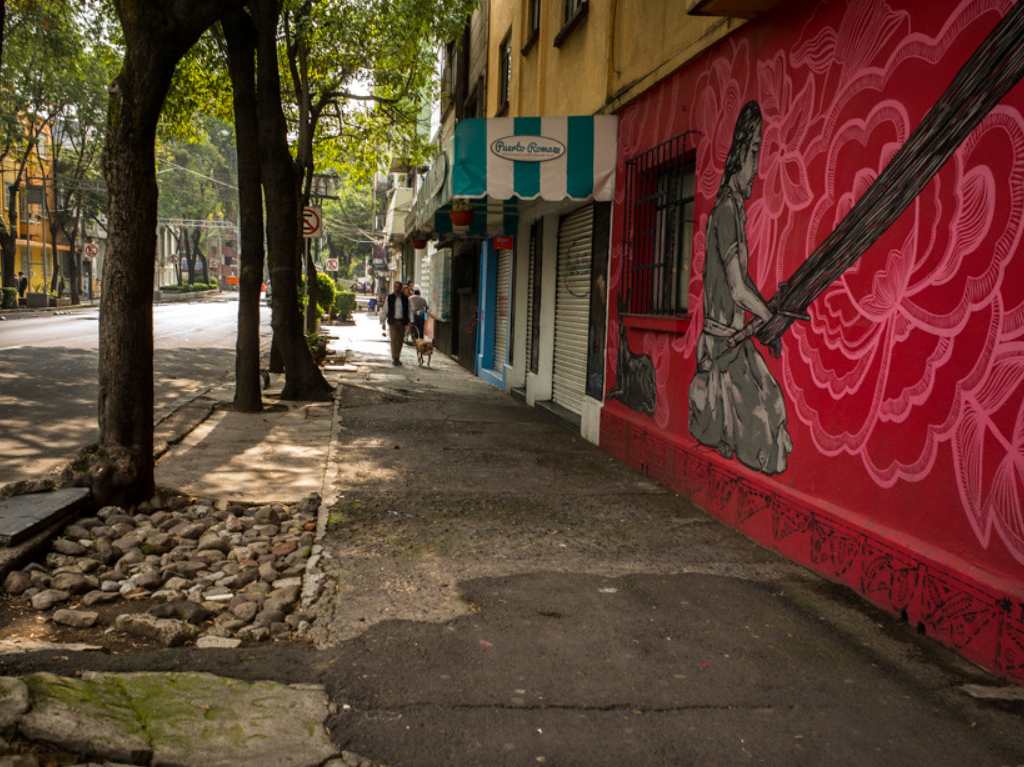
(904, 393)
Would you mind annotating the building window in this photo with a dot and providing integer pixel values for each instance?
(448, 75)
(32, 207)
(660, 187)
(504, 72)
(532, 25)
(573, 14)
(572, 7)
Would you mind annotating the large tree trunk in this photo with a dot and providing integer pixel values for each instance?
(303, 380)
(156, 36)
(8, 246)
(241, 39)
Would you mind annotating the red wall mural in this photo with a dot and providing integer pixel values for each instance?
(904, 390)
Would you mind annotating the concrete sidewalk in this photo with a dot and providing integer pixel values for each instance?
(277, 455)
(511, 595)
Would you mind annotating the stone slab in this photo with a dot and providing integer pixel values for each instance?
(186, 719)
(23, 515)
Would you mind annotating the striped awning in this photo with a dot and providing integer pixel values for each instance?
(499, 161)
(550, 158)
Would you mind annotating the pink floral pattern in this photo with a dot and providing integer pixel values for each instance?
(913, 362)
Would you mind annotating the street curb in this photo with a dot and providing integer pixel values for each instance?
(60, 311)
(165, 446)
(313, 576)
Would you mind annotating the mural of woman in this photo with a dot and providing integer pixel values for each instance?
(735, 405)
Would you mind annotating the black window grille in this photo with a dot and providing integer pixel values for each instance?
(32, 204)
(534, 17)
(659, 220)
(572, 7)
(505, 72)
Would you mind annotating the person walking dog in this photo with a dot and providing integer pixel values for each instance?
(399, 318)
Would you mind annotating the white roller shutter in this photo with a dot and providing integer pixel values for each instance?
(424, 275)
(529, 300)
(501, 319)
(572, 308)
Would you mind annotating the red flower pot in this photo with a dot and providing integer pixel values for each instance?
(419, 243)
(462, 217)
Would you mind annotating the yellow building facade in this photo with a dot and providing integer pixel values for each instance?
(35, 205)
(604, 55)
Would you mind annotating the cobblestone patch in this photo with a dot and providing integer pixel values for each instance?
(175, 570)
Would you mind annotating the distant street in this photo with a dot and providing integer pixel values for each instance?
(48, 376)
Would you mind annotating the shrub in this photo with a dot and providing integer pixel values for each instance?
(317, 346)
(344, 304)
(10, 300)
(325, 291)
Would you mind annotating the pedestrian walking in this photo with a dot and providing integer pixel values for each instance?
(398, 317)
(22, 287)
(419, 306)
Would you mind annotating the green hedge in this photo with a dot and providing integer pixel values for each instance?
(325, 290)
(10, 300)
(193, 288)
(344, 304)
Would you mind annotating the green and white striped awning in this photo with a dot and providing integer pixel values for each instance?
(550, 158)
(499, 161)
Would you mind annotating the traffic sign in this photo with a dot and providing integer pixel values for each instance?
(312, 221)
(91, 249)
(332, 265)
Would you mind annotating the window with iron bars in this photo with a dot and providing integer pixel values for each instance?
(504, 72)
(571, 8)
(659, 218)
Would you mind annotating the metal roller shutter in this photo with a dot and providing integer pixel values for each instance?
(572, 308)
(424, 283)
(529, 300)
(503, 303)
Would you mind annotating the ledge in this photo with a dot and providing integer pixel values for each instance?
(674, 323)
(530, 42)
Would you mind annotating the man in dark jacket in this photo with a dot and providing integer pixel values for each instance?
(22, 287)
(398, 319)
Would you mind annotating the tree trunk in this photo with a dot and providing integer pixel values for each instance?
(303, 380)
(156, 36)
(8, 246)
(241, 39)
(196, 253)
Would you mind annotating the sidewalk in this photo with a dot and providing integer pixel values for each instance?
(496, 591)
(514, 596)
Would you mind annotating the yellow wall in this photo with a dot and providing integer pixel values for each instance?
(621, 49)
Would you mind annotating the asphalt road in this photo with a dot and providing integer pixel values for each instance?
(48, 376)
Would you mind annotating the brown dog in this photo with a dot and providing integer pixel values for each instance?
(424, 350)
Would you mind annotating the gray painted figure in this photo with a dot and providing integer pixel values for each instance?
(736, 406)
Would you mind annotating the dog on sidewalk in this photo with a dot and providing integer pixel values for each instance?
(424, 350)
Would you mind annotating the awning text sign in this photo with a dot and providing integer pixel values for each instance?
(527, 148)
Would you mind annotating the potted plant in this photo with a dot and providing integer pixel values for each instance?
(462, 215)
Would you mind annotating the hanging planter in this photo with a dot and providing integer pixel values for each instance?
(462, 215)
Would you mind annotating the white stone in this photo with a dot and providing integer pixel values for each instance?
(208, 642)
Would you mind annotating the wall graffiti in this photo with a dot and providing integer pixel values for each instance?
(736, 406)
(635, 379)
(902, 392)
